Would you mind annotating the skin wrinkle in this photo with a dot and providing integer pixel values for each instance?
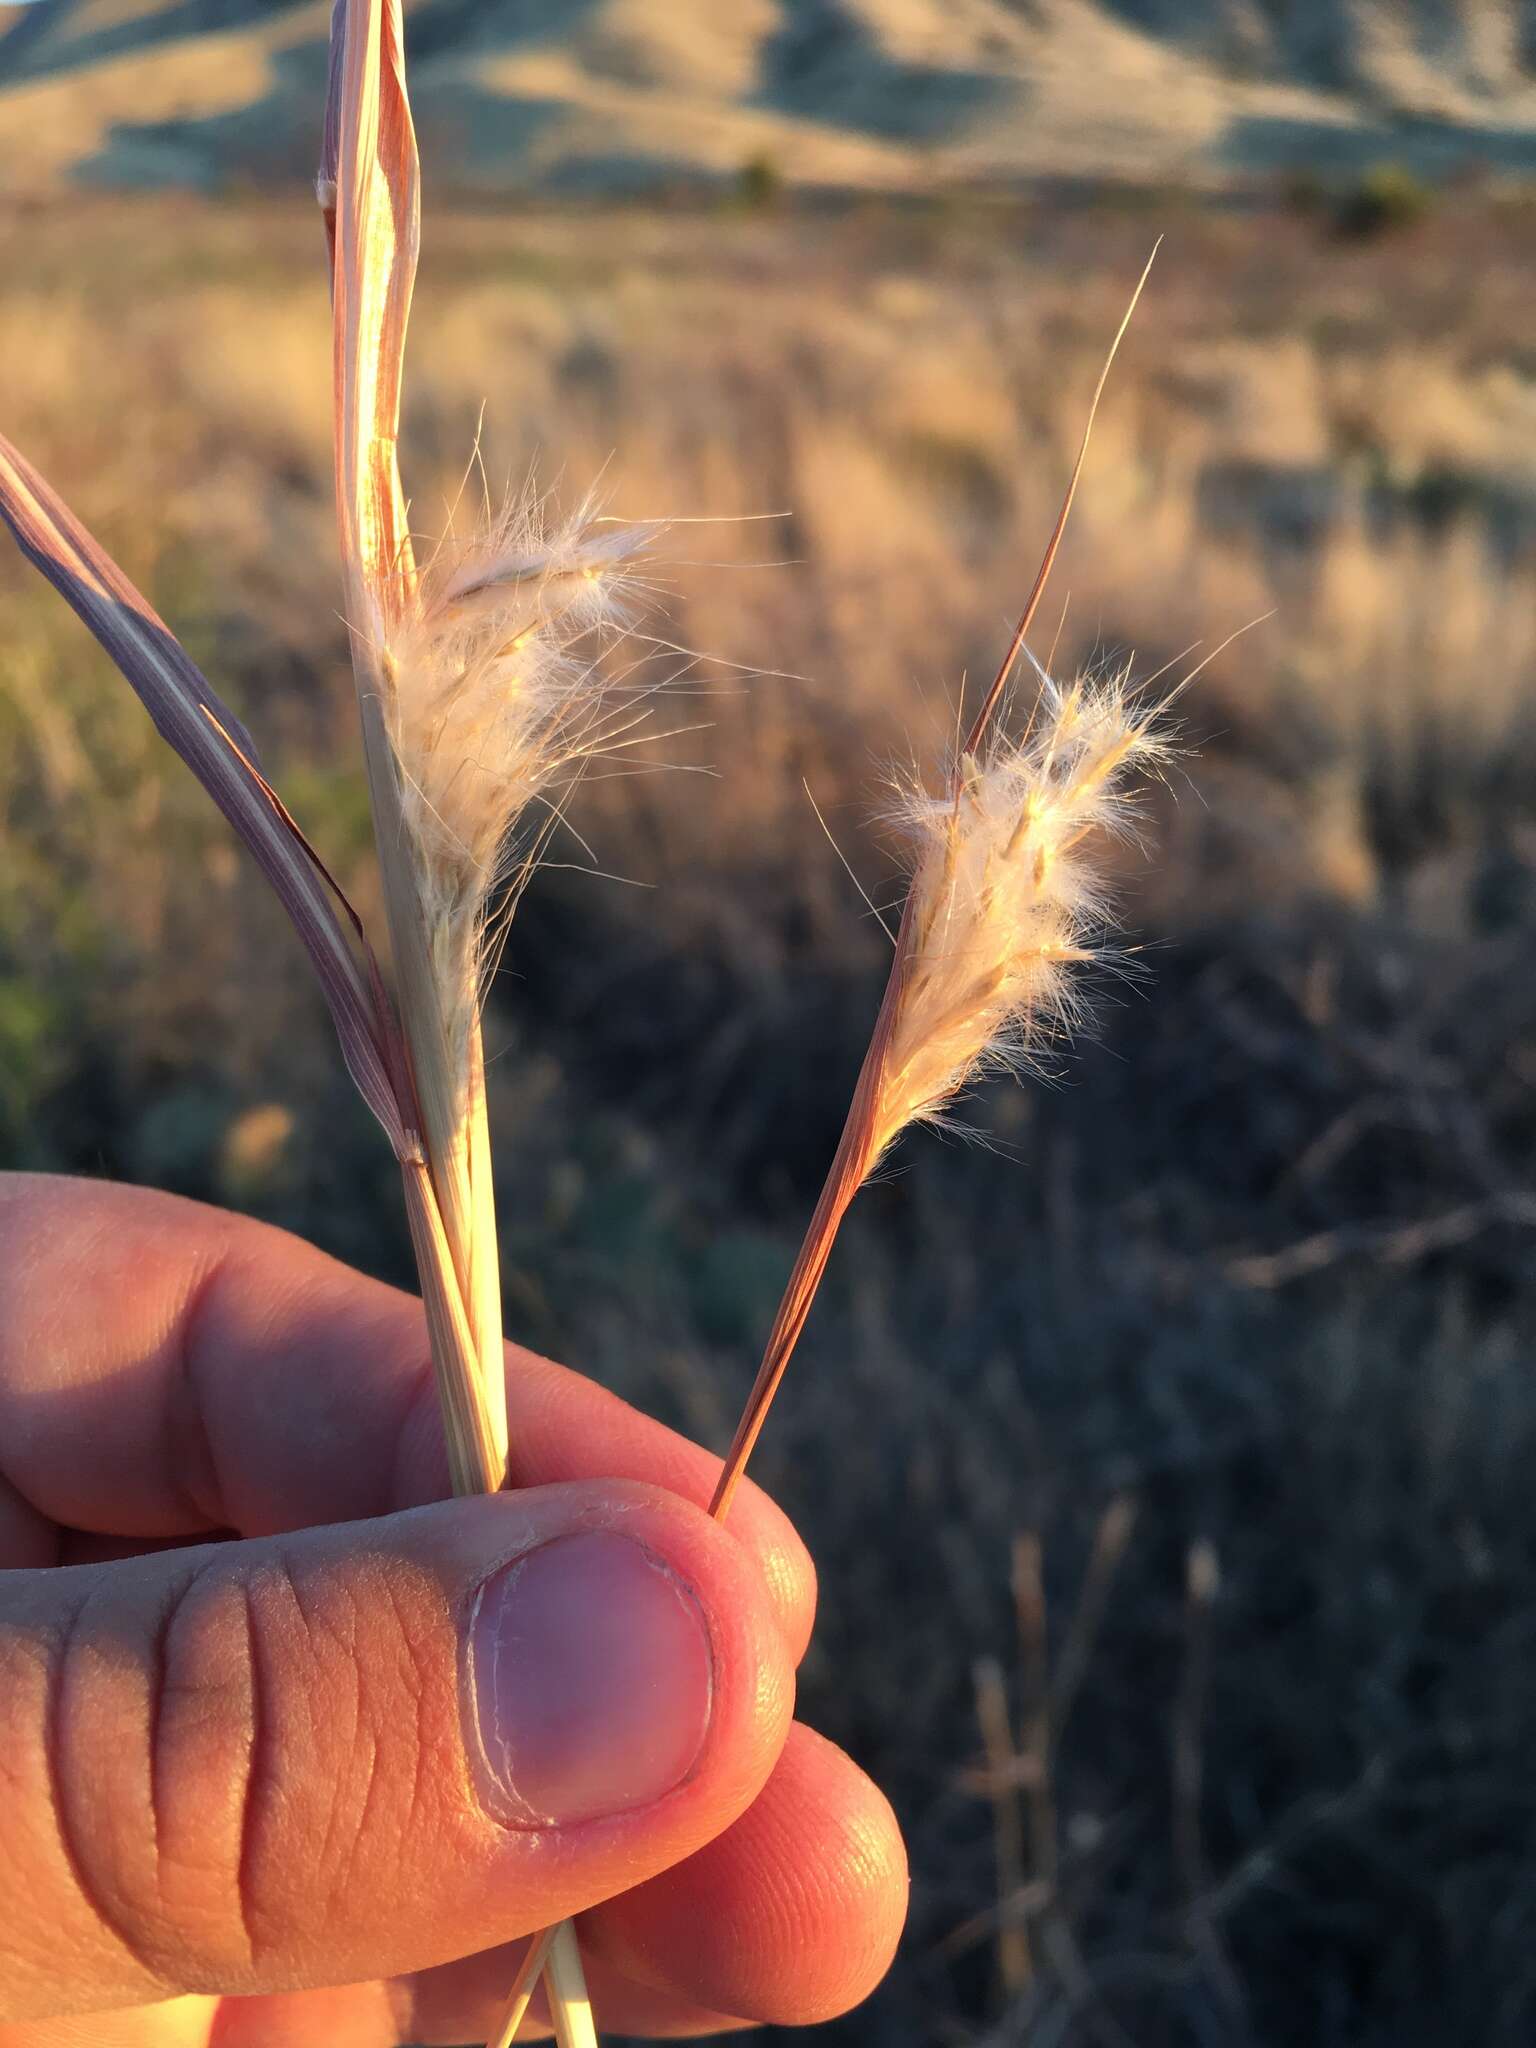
(275, 1587)
(417, 1748)
(342, 1629)
(250, 1776)
(192, 1464)
(364, 1752)
(417, 1809)
(13, 1784)
(363, 1760)
(72, 1837)
(187, 1611)
(364, 1745)
(53, 1726)
(159, 1682)
(336, 1778)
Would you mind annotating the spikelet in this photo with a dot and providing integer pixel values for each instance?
(494, 695)
(1006, 902)
(1003, 902)
(1006, 899)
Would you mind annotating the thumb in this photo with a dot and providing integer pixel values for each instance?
(360, 1751)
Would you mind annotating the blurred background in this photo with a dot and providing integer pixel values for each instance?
(1167, 1461)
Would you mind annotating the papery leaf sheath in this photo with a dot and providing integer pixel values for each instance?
(376, 239)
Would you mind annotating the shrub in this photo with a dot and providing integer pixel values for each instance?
(759, 183)
(1388, 197)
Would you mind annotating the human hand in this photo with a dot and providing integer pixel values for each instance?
(241, 1751)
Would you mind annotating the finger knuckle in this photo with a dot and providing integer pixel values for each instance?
(298, 1708)
(234, 1773)
(211, 1780)
(205, 1770)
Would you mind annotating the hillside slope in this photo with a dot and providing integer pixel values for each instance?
(613, 94)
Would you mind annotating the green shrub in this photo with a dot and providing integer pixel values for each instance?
(1388, 197)
(759, 183)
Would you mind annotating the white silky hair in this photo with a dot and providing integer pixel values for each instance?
(1007, 895)
(496, 693)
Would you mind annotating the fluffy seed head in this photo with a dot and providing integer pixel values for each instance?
(1005, 895)
(494, 697)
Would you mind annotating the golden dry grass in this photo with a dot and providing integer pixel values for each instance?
(1333, 432)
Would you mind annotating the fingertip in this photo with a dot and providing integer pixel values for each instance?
(788, 1569)
(789, 1917)
(784, 1566)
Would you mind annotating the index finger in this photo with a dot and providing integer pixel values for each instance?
(168, 1369)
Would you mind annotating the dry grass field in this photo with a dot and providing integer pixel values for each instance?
(1168, 1464)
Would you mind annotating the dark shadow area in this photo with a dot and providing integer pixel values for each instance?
(436, 27)
(825, 65)
(272, 141)
(41, 41)
(1294, 506)
(1432, 148)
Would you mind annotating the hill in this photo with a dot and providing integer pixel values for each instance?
(606, 95)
